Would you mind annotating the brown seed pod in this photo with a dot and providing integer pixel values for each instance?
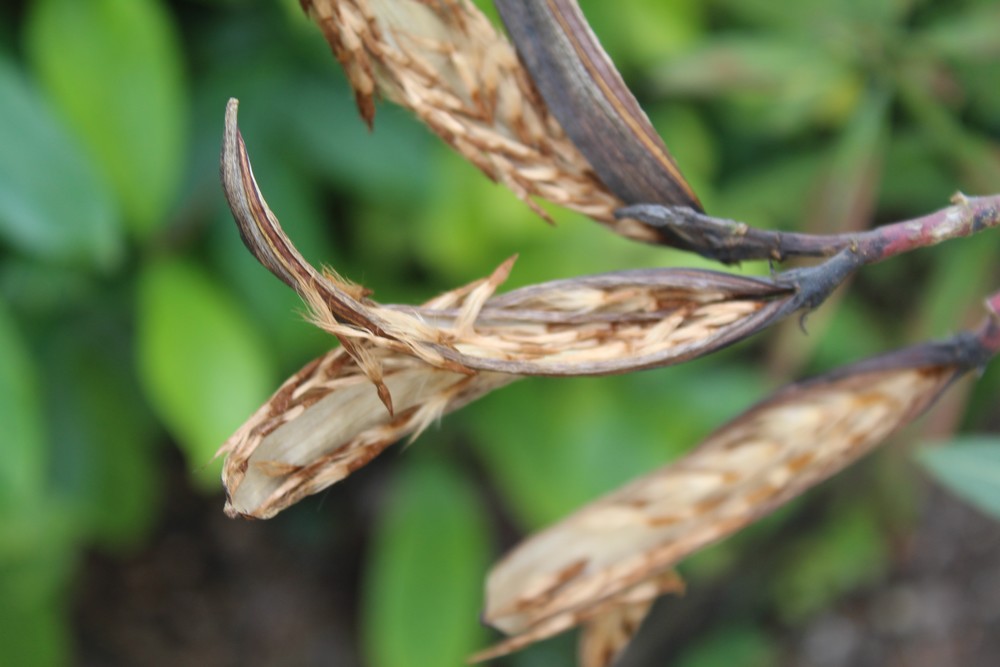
(326, 421)
(604, 636)
(447, 63)
(584, 90)
(569, 573)
(592, 325)
(425, 361)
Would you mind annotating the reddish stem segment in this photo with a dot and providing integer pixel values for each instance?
(966, 217)
(729, 241)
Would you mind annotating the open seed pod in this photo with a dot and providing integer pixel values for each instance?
(422, 362)
(583, 568)
(326, 421)
(446, 62)
(584, 91)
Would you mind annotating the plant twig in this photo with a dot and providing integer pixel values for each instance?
(729, 241)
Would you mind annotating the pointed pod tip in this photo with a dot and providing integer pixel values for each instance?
(232, 106)
(230, 139)
(383, 394)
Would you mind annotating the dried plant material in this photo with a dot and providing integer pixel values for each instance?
(611, 323)
(326, 421)
(585, 92)
(425, 361)
(603, 638)
(592, 325)
(608, 625)
(446, 62)
(568, 573)
(731, 241)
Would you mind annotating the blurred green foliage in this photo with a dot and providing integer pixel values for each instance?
(433, 518)
(970, 468)
(132, 320)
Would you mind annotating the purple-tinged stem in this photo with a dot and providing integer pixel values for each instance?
(729, 241)
(965, 217)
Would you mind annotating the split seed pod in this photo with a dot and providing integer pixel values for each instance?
(624, 545)
(584, 91)
(446, 62)
(424, 361)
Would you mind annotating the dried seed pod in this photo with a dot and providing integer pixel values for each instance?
(607, 627)
(592, 325)
(446, 62)
(568, 573)
(586, 93)
(604, 636)
(425, 361)
(326, 421)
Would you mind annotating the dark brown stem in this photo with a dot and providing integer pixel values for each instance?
(729, 241)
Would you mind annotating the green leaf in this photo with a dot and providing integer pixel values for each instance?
(960, 269)
(114, 69)
(105, 463)
(971, 154)
(825, 19)
(849, 336)
(643, 31)
(914, 179)
(968, 35)
(53, 205)
(39, 290)
(848, 190)
(35, 572)
(424, 579)
(846, 552)
(796, 17)
(202, 364)
(772, 193)
(323, 132)
(25, 452)
(970, 468)
(37, 535)
(779, 85)
(691, 142)
(983, 101)
(736, 645)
